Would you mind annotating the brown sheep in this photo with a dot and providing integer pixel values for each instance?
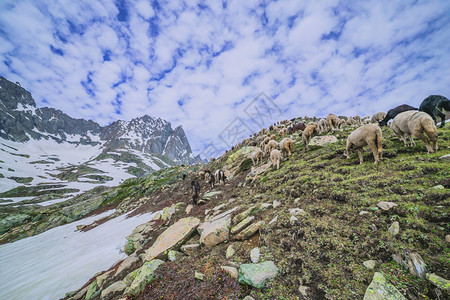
(282, 132)
(378, 117)
(273, 137)
(272, 144)
(369, 134)
(257, 156)
(287, 145)
(275, 157)
(308, 133)
(414, 123)
(333, 122)
(322, 126)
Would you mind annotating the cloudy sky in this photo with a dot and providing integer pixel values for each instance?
(202, 64)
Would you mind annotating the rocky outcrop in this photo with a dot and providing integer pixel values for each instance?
(381, 289)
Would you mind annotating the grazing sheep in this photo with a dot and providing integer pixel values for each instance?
(342, 123)
(365, 120)
(436, 106)
(287, 145)
(257, 156)
(414, 123)
(201, 174)
(378, 117)
(308, 133)
(220, 176)
(357, 119)
(272, 144)
(392, 113)
(322, 126)
(282, 132)
(275, 157)
(351, 121)
(296, 127)
(209, 178)
(266, 140)
(369, 134)
(333, 122)
(273, 137)
(196, 191)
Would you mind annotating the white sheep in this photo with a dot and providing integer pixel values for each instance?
(414, 123)
(322, 126)
(333, 122)
(378, 117)
(287, 145)
(272, 144)
(275, 157)
(369, 134)
(257, 156)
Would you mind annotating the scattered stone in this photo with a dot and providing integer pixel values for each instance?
(172, 237)
(211, 195)
(296, 200)
(255, 171)
(273, 220)
(254, 255)
(207, 211)
(101, 279)
(438, 187)
(303, 291)
(231, 200)
(232, 271)
(250, 211)
(293, 220)
(412, 261)
(445, 157)
(224, 214)
(114, 290)
(174, 255)
(374, 208)
(93, 290)
(157, 216)
(386, 205)
(190, 249)
(438, 281)
(257, 275)
(128, 264)
(297, 212)
(219, 207)
(322, 140)
(381, 289)
(199, 276)
(244, 223)
(363, 212)
(447, 238)
(80, 294)
(189, 208)
(216, 232)
(230, 252)
(394, 229)
(249, 231)
(370, 264)
(141, 277)
(276, 203)
(249, 298)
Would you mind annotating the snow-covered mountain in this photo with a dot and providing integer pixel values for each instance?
(43, 147)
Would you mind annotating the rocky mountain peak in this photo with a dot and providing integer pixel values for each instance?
(12, 95)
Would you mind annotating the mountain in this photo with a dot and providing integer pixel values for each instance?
(45, 145)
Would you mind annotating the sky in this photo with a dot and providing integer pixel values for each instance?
(224, 69)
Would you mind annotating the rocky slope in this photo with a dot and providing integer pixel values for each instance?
(45, 146)
(320, 227)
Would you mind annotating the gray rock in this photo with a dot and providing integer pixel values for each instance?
(141, 277)
(254, 255)
(190, 249)
(276, 203)
(438, 187)
(370, 264)
(273, 220)
(386, 205)
(381, 289)
(199, 276)
(249, 231)
(216, 232)
(297, 212)
(249, 298)
(447, 238)
(257, 275)
(232, 271)
(445, 157)
(412, 261)
(113, 290)
(303, 291)
(243, 224)
(394, 229)
(438, 281)
(230, 252)
(128, 264)
(174, 255)
(322, 140)
(211, 195)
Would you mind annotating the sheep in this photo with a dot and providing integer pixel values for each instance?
(365, 120)
(342, 123)
(414, 123)
(351, 121)
(392, 113)
(209, 178)
(275, 157)
(322, 126)
(282, 132)
(272, 144)
(266, 140)
(257, 156)
(369, 134)
(436, 106)
(201, 174)
(196, 190)
(333, 122)
(296, 127)
(287, 145)
(273, 137)
(220, 176)
(308, 134)
(378, 117)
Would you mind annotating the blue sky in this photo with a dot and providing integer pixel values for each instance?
(201, 64)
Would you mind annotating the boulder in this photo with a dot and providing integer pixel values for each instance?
(394, 229)
(93, 290)
(238, 161)
(257, 275)
(249, 231)
(113, 290)
(141, 277)
(412, 261)
(438, 281)
(128, 264)
(244, 223)
(216, 232)
(190, 249)
(381, 289)
(230, 252)
(297, 212)
(101, 279)
(174, 255)
(370, 264)
(255, 171)
(322, 140)
(222, 215)
(386, 205)
(172, 238)
(232, 271)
